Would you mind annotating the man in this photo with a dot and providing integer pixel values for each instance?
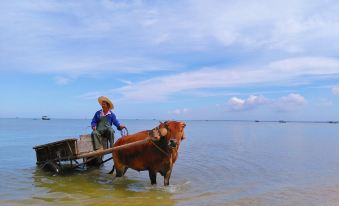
(102, 125)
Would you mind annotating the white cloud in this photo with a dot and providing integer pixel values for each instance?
(238, 104)
(62, 80)
(290, 102)
(293, 98)
(287, 103)
(62, 38)
(335, 90)
(126, 81)
(133, 36)
(96, 66)
(179, 111)
(291, 70)
(91, 95)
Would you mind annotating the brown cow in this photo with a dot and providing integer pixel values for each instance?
(156, 155)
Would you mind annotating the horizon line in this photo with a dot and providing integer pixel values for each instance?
(226, 120)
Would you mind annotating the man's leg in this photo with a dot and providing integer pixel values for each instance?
(104, 140)
(97, 141)
(110, 136)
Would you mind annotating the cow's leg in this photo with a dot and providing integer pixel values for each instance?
(119, 168)
(152, 176)
(111, 172)
(167, 177)
(119, 172)
(125, 170)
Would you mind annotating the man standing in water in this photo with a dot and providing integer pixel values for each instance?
(102, 125)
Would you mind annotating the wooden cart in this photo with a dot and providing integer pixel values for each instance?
(75, 153)
(55, 155)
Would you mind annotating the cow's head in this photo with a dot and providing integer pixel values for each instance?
(172, 132)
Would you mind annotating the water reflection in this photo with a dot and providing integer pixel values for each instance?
(95, 187)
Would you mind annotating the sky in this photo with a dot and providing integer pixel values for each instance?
(189, 59)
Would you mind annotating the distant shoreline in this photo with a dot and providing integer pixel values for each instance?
(215, 120)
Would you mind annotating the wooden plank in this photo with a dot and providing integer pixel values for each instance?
(106, 151)
(54, 143)
(46, 154)
(95, 153)
(84, 144)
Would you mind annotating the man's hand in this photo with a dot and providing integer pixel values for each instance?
(94, 128)
(122, 126)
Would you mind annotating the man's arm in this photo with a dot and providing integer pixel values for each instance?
(116, 122)
(94, 121)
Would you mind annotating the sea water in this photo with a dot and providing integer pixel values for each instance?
(220, 163)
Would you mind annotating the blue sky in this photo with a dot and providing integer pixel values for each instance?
(194, 59)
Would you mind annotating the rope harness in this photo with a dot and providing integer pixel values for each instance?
(156, 133)
(152, 134)
(159, 148)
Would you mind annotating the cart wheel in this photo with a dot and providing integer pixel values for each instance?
(53, 167)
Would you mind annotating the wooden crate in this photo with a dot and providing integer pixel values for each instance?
(84, 144)
(60, 150)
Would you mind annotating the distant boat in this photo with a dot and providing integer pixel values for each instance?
(282, 121)
(45, 118)
(256, 121)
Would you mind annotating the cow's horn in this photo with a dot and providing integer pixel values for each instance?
(163, 131)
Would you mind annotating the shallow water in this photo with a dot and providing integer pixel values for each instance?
(220, 163)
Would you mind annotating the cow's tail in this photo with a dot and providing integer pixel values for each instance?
(111, 172)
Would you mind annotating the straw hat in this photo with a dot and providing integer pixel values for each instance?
(105, 99)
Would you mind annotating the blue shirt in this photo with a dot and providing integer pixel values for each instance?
(110, 116)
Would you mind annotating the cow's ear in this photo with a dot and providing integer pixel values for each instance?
(163, 132)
